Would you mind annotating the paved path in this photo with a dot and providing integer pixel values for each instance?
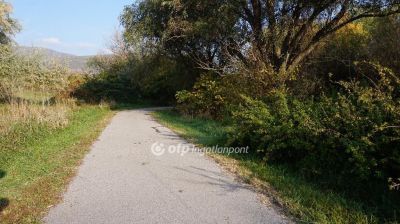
(122, 181)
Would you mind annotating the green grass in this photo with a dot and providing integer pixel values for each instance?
(305, 201)
(199, 131)
(35, 171)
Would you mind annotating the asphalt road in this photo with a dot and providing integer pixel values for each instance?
(122, 181)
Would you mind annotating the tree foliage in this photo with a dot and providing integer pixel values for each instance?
(8, 25)
(261, 34)
(28, 73)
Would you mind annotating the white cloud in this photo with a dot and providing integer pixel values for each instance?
(79, 48)
(50, 40)
(85, 45)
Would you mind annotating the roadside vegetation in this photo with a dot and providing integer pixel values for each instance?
(44, 133)
(304, 200)
(39, 161)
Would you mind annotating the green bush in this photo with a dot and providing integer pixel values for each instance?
(106, 87)
(214, 96)
(280, 129)
(126, 77)
(207, 99)
(353, 135)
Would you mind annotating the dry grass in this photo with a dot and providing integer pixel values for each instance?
(33, 114)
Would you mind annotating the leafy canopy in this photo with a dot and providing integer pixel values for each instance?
(260, 34)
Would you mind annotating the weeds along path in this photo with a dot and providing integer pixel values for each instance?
(122, 180)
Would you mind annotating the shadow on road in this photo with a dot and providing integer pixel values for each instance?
(212, 178)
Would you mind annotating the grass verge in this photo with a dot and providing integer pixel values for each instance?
(305, 201)
(33, 174)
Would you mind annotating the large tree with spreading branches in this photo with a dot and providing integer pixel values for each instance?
(274, 34)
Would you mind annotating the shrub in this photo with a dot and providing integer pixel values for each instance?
(23, 75)
(353, 135)
(362, 123)
(127, 77)
(279, 129)
(105, 86)
(5, 93)
(206, 100)
(216, 97)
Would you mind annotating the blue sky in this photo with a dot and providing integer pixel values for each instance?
(80, 27)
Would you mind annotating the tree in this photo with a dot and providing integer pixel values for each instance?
(182, 28)
(286, 32)
(277, 34)
(385, 42)
(8, 25)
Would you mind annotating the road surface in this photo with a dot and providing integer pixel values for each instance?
(122, 181)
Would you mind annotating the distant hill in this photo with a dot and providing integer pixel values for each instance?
(73, 62)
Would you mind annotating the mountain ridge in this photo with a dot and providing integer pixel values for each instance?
(73, 62)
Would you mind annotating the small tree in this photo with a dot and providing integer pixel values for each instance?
(8, 25)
